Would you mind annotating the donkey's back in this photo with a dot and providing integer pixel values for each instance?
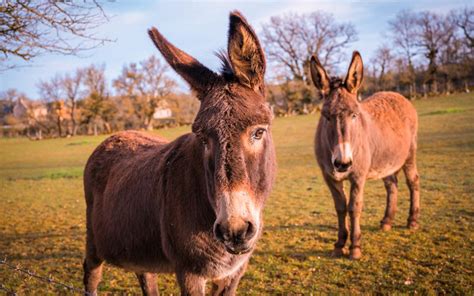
(118, 148)
(392, 109)
(392, 132)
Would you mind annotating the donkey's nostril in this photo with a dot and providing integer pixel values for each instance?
(237, 236)
(218, 232)
(251, 230)
(342, 166)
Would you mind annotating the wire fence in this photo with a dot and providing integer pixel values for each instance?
(45, 279)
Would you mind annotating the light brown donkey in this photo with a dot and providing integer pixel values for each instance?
(192, 206)
(356, 141)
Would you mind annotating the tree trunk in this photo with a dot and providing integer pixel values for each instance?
(73, 119)
(434, 87)
(448, 86)
(149, 124)
(60, 132)
(95, 128)
(108, 129)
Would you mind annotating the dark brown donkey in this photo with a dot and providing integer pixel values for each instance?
(192, 206)
(356, 141)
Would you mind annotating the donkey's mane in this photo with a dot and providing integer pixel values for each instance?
(335, 82)
(226, 69)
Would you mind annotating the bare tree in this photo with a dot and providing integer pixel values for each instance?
(291, 39)
(382, 61)
(146, 85)
(51, 92)
(464, 19)
(434, 32)
(29, 28)
(403, 32)
(457, 51)
(72, 85)
(97, 108)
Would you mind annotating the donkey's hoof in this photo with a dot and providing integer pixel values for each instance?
(356, 254)
(385, 227)
(413, 225)
(338, 252)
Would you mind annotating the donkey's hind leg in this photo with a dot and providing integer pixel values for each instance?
(148, 283)
(92, 264)
(413, 182)
(391, 185)
(92, 270)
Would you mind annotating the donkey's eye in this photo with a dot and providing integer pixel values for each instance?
(258, 134)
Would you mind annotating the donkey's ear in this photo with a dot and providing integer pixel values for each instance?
(319, 76)
(245, 53)
(355, 74)
(197, 75)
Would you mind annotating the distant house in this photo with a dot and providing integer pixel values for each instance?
(20, 109)
(31, 110)
(162, 113)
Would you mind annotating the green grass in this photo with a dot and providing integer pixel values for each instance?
(42, 216)
(444, 111)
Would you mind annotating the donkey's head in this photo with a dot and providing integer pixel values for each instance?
(341, 109)
(233, 129)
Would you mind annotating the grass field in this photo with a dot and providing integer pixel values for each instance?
(42, 216)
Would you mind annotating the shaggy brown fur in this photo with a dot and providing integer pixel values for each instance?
(355, 141)
(192, 206)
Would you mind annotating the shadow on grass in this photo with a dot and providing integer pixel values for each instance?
(465, 213)
(305, 226)
(11, 237)
(295, 254)
(64, 255)
(51, 176)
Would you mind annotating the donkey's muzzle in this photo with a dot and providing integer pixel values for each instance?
(342, 167)
(236, 240)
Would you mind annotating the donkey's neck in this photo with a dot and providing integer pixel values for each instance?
(183, 177)
(372, 132)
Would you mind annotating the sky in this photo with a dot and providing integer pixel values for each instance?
(200, 29)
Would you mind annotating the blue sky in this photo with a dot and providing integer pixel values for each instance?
(200, 28)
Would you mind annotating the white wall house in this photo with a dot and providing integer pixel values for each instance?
(161, 113)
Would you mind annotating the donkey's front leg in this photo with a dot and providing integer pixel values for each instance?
(148, 283)
(191, 284)
(355, 209)
(340, 203)
(228, 285)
